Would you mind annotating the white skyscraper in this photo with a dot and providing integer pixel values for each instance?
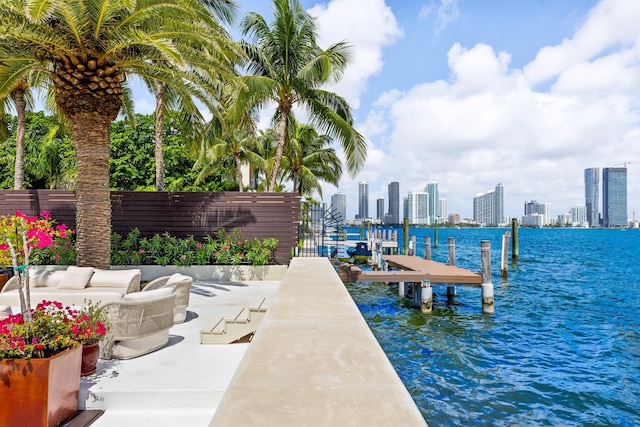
(418, 207)
(434, 196)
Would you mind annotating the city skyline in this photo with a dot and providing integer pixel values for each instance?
(469, 94)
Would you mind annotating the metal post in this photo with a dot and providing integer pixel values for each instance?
(412, 246)
(487, 287)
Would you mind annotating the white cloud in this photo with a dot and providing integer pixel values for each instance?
(609, 25)
(491, 124)
(446, 12)
(368, 26)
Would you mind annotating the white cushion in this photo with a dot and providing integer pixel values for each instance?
(148, 295)
(113, 278)
(76, 277)
(126, 349)
(175, 278)
(45, 278)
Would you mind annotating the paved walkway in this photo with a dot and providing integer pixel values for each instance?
(183, 383)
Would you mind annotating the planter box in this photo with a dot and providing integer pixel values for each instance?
(40, 392)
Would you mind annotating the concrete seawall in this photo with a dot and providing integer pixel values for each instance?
(315, 362)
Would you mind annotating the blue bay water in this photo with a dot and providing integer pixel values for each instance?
(563, 348)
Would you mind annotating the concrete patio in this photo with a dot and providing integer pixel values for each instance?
(312, 362)
(182, 383)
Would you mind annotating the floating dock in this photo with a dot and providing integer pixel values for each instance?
(415, 269)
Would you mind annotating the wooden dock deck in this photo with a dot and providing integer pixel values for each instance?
(416, 269)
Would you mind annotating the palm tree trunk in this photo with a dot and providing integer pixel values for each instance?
(158, 136)
(282, 132)
(93, 197)
(239, 173)
(18, 175)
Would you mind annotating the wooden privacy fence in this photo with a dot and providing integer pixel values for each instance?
(259, 215)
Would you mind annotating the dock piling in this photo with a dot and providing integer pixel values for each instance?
(435, 243)
(504, 267)
(514, 240)
(427, 247)
(451, 289)
(405, 237)
(426, 297)
(488, 306)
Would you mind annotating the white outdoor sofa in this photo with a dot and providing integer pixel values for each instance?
(138, 324)
(181, 285)
(73, 286)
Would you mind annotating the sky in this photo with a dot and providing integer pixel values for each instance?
(471, 94)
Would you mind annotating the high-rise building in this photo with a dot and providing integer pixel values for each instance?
(394, 203)
(442, 210)
(534, 208)
(434, 197)
(592, 195)
(380, 208)
(363, 200)
(579, 216)
(489, 208)
(418, 207)
(339, 205)
(614, 197)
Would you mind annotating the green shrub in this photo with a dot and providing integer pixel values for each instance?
(164, 249)
(61, 252)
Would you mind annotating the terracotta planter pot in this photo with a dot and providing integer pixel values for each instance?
(90, 354)
(40, 392)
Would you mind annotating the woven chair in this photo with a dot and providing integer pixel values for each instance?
(139, 324)
(181, 285)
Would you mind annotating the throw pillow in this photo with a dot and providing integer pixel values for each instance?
(76, 277)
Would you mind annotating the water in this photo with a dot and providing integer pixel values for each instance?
(563, 348)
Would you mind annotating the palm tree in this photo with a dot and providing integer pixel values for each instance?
(20, 99)
(166, 99)
(51, 164)
(287, 67)
(88, 48)
(308, 159)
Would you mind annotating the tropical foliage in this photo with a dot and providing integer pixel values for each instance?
(164, 249)
(19, 235)
(87, 49)
(51, 328)
(45, 332)
(287, 67)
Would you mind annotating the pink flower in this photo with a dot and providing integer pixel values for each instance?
(199, 245)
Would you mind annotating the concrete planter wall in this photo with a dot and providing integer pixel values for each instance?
(230, 273)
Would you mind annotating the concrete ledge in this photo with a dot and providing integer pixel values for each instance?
(315, 362)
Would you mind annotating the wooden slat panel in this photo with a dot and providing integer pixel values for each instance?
(181, 214)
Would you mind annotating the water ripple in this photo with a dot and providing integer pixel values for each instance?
(562, 349)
